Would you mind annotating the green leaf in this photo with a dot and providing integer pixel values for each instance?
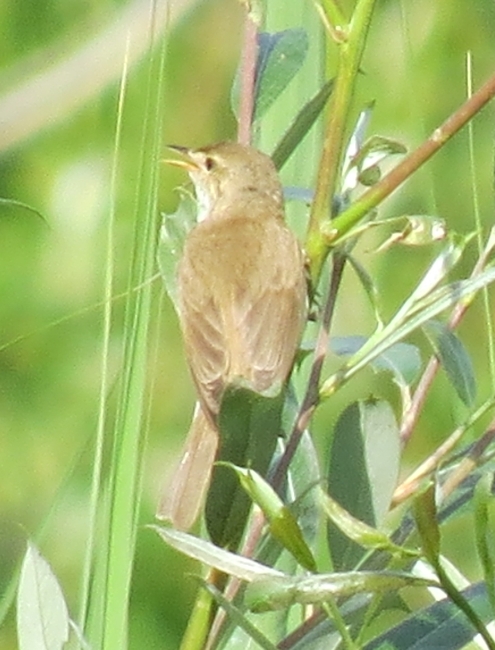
(211, 555)
(363, 471)
(415, 312)
(304, 475)
(350, 173)
(280, 593)
(425, 515)
(403, 360)
(418, 230)
(280, 57)
(359, 532)
(174, 229)
(484, 522)
(441, 625)
(368, 285)
(238, 618)
(12, 203)
(42, 616)
(455, 359)
(249, 425)
(282, 523)
(301, 125)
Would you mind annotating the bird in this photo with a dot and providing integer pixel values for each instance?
(242, 300)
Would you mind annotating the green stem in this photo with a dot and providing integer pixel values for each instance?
(199, 622)
(459, 600)
(350, 55)
(332, 231)
(336, 617)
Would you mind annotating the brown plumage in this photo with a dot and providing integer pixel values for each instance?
(242, 299)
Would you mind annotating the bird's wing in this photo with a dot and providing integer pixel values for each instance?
(241, 316)
(270, 326)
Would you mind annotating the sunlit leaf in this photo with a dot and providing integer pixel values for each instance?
(173, 232)
(350, 172)
(282, 523)
(359, 532)
(211, 555)
(363, 471)
(455, 359)
(418, 230)
(445, 261)
(42, 616)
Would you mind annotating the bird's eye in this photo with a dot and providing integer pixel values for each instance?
(209, 163)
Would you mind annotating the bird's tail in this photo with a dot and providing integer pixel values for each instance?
(184, 494)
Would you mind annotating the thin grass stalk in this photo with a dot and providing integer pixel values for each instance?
(124, 490)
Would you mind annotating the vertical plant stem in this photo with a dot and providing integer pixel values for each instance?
(124, 484)
(479, 229)
(248, 78)
(312, 393)
(351, 49)
(104, 385)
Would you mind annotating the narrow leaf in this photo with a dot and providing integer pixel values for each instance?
(406, 322)
(280, 57)
(425, 514)
(282, 523)
(483, 520)
(13, 203)
(418, 230)
(280, 593)
(359, 532)
(211, 555)
(455, 359)
(301, 125)
(238, 617)
(441, 625)
(369, 286)
(42, 616)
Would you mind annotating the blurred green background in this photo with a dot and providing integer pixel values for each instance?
(56, 149)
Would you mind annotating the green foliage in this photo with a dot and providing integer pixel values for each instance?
(77, 365)
(363, 471)
(42, 616)
(249, 425)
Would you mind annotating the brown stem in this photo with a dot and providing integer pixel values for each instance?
(470, 462)
(311, 397)
(248, 78)
(331, 231)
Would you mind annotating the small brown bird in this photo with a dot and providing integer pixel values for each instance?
(242, 300)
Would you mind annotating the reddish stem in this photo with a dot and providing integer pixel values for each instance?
(248, 78)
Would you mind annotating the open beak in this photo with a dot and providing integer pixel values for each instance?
(189, 165)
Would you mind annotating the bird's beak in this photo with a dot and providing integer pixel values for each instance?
(189, 165)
